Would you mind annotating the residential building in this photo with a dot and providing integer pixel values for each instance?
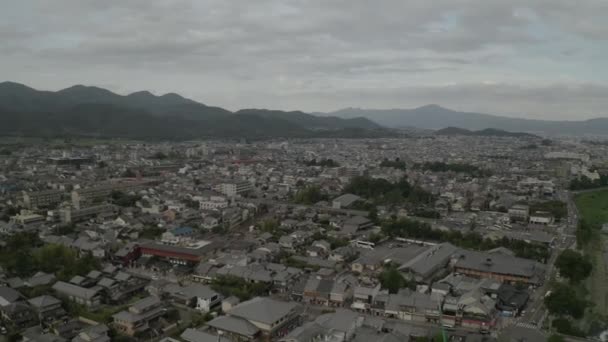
(139, 316)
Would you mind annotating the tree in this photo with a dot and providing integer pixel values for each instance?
(564, 326)
(392, 280)
(573, 265)
(564, 301)
(555, 338)
(309, 195)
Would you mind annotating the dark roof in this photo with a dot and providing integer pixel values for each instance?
(262, 309)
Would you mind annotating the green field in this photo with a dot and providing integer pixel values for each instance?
(593, 208)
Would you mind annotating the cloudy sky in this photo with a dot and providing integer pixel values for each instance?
(537, 59)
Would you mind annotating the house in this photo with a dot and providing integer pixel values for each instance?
(93, 333)
(345, 201)
(542, 218)
(318, 248)
(511, 300)
(355, 224)
(90, 297)
(229, 303)
(519, 213)
(40, 279)
(127, 254)
(234, 328)
(8, 296)
(270, 317)
(19, 315)
(137, 317)
(177, 235)
(47, 308)
(317, 291)
(194, 335)
(363, 297)
(196, 295)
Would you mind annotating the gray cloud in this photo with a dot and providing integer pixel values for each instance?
(276, 53)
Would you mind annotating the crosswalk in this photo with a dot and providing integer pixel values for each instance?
(526, 325)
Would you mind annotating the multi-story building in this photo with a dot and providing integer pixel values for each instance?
(519, 213)
(69, 215)
(100, 193)
(213, 202)
(40, 199)
(232, 189)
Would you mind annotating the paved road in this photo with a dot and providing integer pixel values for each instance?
(536, 313)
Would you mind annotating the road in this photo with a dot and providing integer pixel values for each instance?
(566, 238)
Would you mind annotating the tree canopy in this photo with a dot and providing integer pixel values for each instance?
(392, 280)
(309, 195)
(573, 265)
(563, 301)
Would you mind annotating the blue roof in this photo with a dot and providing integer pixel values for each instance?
(182, 231)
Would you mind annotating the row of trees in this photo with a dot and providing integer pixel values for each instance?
(415, 229)
(574, 266)
(396, 163)
(557, 208)
(240, 288)
(322, 162)
(565, 301)
(383, 192)
(585, 183)
(24, 256)
(309, 195)
(454, 167)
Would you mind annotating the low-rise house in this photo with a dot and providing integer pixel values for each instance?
(90, 297)
(345, 201)
(363, 297)
(8, 296)
(177, 235)
(542, 218)
(47, 308)
(194, 335)
(18, 315)
(511, 300)
(138, 317)
(272, 318)
(198, 296)
(93, 333)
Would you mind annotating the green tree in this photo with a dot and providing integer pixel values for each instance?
(555, 338)
(563, 301)
(573, 265)
(392, 280)
(309, 195)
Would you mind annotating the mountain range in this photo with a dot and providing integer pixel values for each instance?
(488, 132)
(436, 117)
(92, 111)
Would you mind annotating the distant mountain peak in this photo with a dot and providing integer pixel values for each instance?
(14, 85)
(143, 93)
(434, 107)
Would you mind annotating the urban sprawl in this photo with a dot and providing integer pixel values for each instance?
(421, 238)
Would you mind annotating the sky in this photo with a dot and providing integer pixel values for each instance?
(542, 59)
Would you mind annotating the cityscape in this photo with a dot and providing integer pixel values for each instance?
(303, 171)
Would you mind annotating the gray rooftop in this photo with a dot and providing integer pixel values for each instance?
(263, 310)
(234, 325)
